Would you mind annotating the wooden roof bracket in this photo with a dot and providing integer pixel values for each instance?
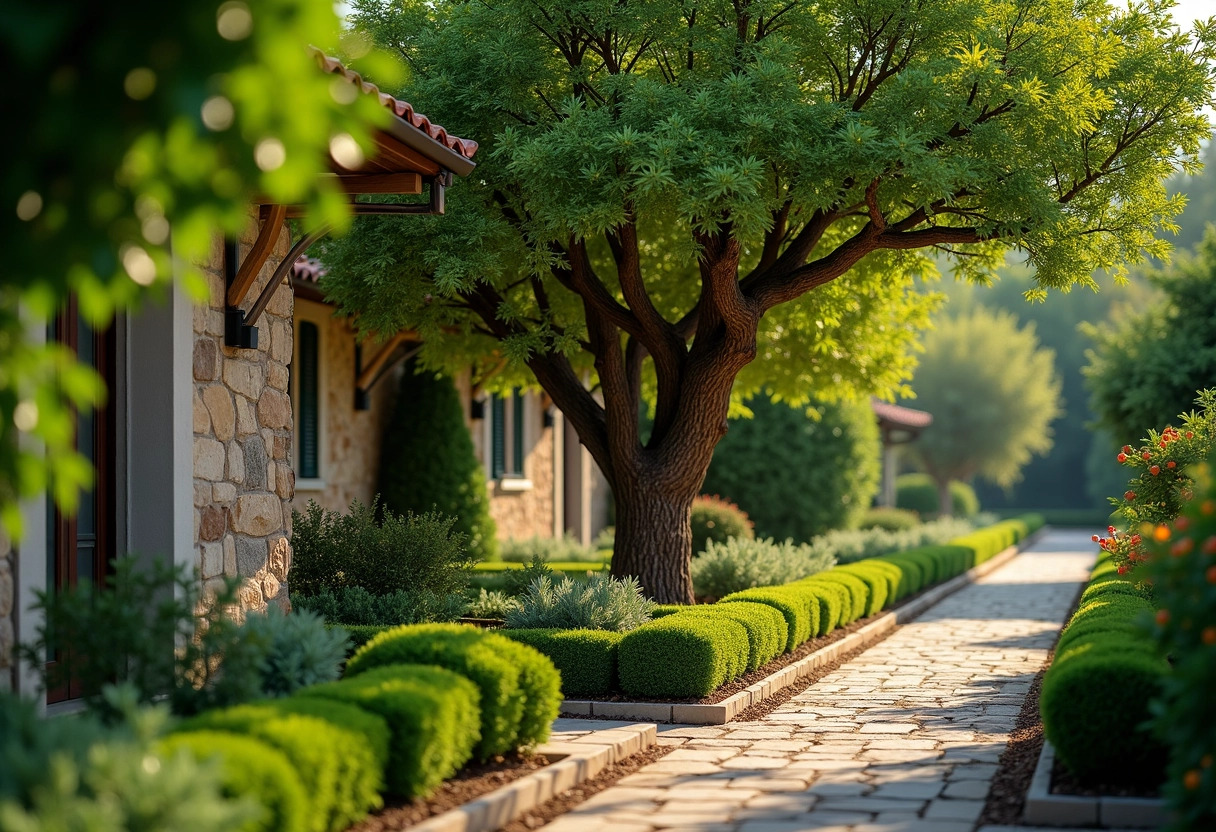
(378, 367)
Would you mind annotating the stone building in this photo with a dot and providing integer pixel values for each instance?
(194, 452)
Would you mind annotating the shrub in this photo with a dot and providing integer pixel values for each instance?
(914, 569)
(1182, 568)
(411, 552)
(855, 545)
(354, 605)
(539, 683)
(833, 601)
(889, 519)
(888, 572)
(743, 563)
(600, 603)
(468, 651)
(796, 602)
(586, 659)
(516, 582)
(877, 583)
(798, 476)
(428, 463)
(716, 519)
(298, 649)
(548, 549)
(858, 594)
(340, 774)
(372, 729)
(918, 492)
(681, 656)
(71, 773)
(250, 768)
(431, 712)
(765, 626)
(1094, 701)
(492, 604)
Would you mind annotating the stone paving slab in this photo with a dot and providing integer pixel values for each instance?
(903, 738)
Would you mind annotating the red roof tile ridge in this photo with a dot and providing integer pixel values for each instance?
(901, 415)
(402, 109)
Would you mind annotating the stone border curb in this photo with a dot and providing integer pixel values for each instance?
(1043, 807)
(575, 761)
(723, 712)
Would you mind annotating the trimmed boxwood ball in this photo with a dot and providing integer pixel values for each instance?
(859, 595)
(250, 768)
(586, 659)
(795, 602)
(892, 573)
(833, 600)
(681, 656)
(463, 649)
(661, 610)
(875, 580)
(911, 575)
(540, 684)
(1095, 698)
(1102, 587)
(766, 627)
(431, 712)
(1108, 626)
(340, 775)
(372, 729)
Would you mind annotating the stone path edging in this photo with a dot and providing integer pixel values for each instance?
(723, 712)
(1047, 809)
(578, 754)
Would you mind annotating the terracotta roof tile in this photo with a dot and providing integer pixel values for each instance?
(904, 417)
(402, 109)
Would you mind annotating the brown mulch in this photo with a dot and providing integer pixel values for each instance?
(551, 809)
(471, 782)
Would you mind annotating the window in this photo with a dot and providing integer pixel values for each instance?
(307, 391)
(507, 435)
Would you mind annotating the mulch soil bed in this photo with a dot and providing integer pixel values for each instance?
(470, 783)
(554, 808)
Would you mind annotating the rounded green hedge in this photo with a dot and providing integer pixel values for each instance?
(918, 492)
(431, 712)
(833, 600)
(681, 656)
(250, 768)
(875, 579)
(586, 659)
(766, 628)
(859, 595)
(795, 602)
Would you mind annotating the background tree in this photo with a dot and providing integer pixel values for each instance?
(131, 123)
(993, 392)
(427, 460)
(1145, 370)
(670, 191)
(798, 476)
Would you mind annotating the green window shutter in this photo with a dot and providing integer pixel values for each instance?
(517, 432)
(498, 436)
(308, 420)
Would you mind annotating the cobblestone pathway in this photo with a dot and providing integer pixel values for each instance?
(903, 738)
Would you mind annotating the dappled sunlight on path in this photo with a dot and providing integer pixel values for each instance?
(903, 738)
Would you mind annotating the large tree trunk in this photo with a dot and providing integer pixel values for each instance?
(654, 541)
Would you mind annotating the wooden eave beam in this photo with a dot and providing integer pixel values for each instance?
(273, 219)
(367, 376)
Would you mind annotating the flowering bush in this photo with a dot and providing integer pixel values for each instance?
(1161, 482)
(1181, 567)
(717, 519)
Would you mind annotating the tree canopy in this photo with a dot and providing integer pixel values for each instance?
(137, 132)
(669, 191)
(1147, 368)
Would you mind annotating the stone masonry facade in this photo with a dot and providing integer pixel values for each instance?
(243, 477)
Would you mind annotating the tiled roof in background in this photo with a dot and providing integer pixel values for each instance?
(903, 417)
(402, 109)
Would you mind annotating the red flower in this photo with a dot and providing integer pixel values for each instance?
(1155, 470)
(1129, 496)
(1146, 455)
(1171, 464)
(1122, 457)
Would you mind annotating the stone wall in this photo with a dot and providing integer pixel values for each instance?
(8, 609)
(243, 477)
(350, 443)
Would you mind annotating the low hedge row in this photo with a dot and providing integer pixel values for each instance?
(559, 566)
(417, 703)
(687, 652)
(1096, 693)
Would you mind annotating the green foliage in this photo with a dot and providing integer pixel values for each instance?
(876, 581)
(175, 110)
(742, 563)
(681, 656)
(516, 583)
(766, 628)
(798, 476)
(586, 659)
(918, 493)
(993, 392)
(419, 553)
(371, 728)
(493, 604)
(797, 603)
(600, 603)
(889, 519)
(252, 769)
(548, 549)
(540, 685)
(848, 546)
(859, 595)
(1184, 716)
(71, 773)
(427, 460)
(354, 605)
(432, 713)
(476, 654)
(1146, 369)
(340, 774)
(716, 519)
(297, 649)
